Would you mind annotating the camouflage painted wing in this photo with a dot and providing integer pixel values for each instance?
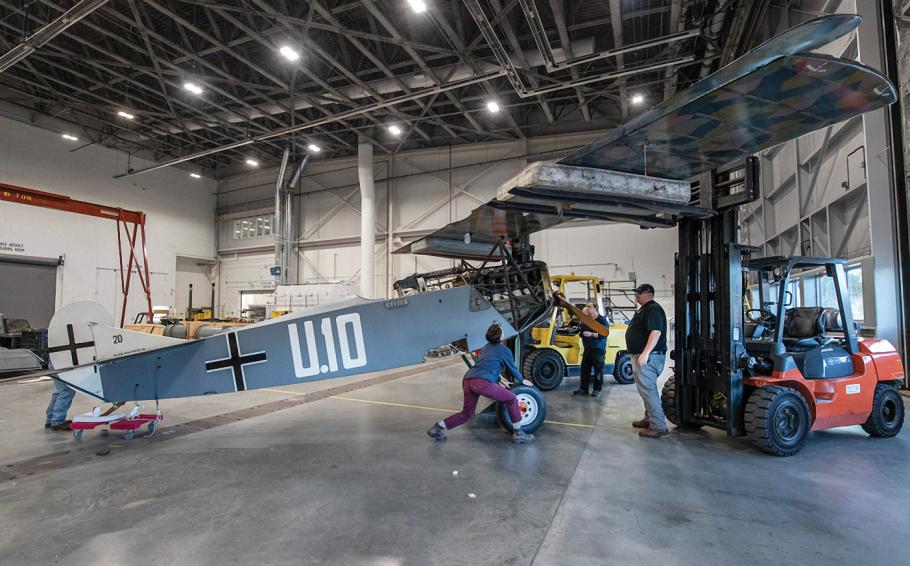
(769, 96)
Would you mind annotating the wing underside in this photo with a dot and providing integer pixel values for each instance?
(775, 93)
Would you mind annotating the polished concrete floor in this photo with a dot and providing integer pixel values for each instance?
(340, 472)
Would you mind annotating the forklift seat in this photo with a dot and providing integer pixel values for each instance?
(817, 355)
(806, 326)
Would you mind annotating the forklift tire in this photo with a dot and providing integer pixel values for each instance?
(622, 368)
(668, 402)
(887, 416)
(533, 409)
(777, 420)
(544, 367)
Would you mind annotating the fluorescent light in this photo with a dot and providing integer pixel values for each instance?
(70, 137)
(638, 99)
(192, 87)
(394, 130)
(289, 53)
(252, 162)
(314, 148)
(126, 115)
(195, 175)
(419, 6)
(493, 106)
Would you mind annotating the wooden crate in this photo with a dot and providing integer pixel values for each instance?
(154, 329)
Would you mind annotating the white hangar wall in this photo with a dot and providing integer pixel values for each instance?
(429, 188)
(180, 215)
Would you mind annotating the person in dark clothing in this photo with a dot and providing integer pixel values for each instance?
(592, 358)
(483, 379)
(646, 340)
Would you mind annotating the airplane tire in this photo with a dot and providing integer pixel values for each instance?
(777, 420)
(545, 367)
(622, 368)
(887, 416)
(668, 402)
(533, 409)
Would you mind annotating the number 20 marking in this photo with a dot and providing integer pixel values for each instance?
(352, 355)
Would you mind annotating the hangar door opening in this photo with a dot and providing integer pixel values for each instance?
(29, 288)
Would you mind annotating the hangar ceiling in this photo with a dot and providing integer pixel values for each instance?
(165, 79)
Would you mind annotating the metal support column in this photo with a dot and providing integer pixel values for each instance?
(367, 219)
(880, 183)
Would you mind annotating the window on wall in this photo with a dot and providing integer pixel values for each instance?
(826, 295)
(252, 227)
(855, 289)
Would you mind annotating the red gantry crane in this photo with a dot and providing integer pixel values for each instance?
(130, 227)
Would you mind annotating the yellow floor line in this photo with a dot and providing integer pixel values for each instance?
(283, 392)
(437, 409)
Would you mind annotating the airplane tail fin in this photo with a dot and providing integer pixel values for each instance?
(84, 332)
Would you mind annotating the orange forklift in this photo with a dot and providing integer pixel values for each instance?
(776, 372)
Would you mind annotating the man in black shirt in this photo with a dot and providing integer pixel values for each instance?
(595, 347)
(646, 340)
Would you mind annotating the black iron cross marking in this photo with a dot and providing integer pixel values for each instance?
(73, 346)
(235, 361)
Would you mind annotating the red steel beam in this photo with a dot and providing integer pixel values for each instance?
(22, 195)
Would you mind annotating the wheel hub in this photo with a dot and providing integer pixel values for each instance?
(788, 423)
(528, 407)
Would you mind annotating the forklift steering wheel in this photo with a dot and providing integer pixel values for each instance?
(764, 318)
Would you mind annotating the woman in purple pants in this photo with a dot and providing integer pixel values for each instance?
(483, 379)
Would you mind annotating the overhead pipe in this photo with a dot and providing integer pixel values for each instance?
(281, 132)
(714, 30)
(49, 32)
(367, 219)
(280, 242)
(532, 15)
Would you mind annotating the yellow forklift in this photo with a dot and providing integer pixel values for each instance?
(555, 347)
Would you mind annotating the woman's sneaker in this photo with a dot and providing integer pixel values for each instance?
(522, 437)
(437, 433)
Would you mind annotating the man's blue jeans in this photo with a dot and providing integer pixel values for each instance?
(61, 399)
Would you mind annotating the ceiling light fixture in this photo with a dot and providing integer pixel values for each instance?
(252, 163)
(419, 6)
(637, 99)
(195, 175)
(314, 148)
(70, 137)
(289, 53)
(493, 106)
(124, 114)
(193, 87)
(394, 130)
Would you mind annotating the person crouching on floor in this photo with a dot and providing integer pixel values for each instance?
(483, 379)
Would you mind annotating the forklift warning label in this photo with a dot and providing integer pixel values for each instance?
(853, 389)
(12, 247)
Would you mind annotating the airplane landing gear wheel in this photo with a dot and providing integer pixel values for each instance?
(533, 409)
(77, 434)
(545, 367)
(622, 368)
(777, 420)
(129, 434)
(887, 416)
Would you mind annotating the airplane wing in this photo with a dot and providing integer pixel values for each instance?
(360, 336)
(639, 172)
(773, 94)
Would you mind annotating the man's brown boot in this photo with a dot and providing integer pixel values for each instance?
(653, 433)
(643, 423)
